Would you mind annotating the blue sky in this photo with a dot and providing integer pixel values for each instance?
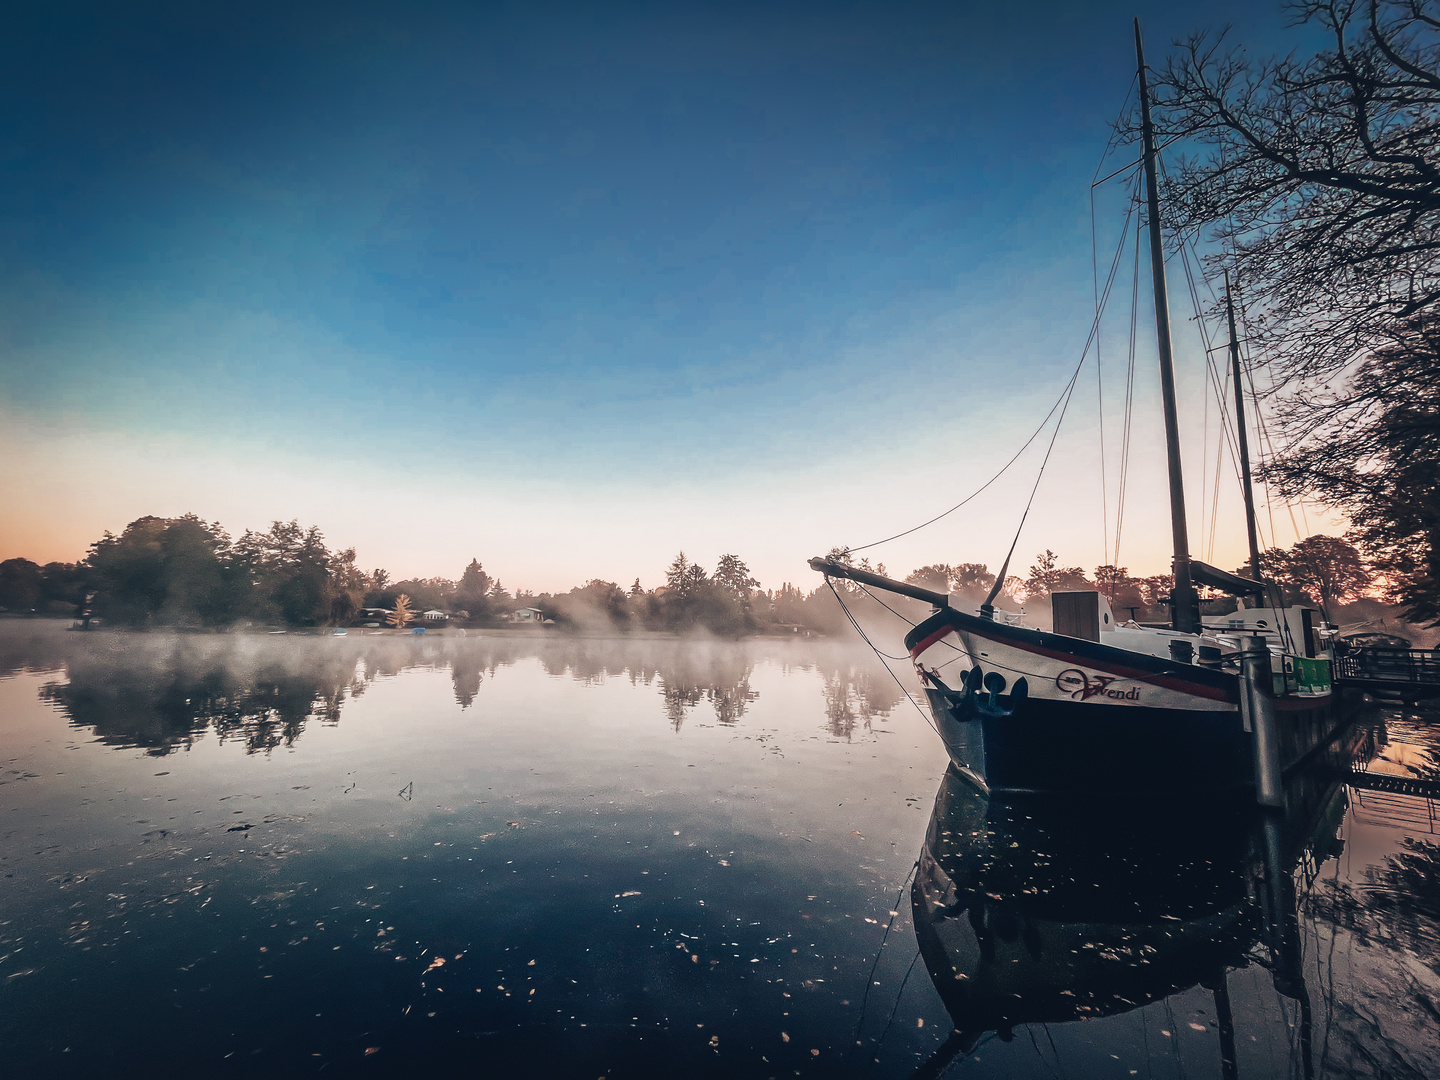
(488, 279)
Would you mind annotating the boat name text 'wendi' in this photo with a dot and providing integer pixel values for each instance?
(1081, 686)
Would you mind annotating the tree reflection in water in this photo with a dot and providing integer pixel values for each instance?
(161, 692)
(857, 695)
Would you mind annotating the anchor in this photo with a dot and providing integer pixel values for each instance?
(970, 703)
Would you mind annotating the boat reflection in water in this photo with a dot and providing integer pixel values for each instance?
(1039, 911)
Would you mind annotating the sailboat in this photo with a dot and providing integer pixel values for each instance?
(1100, 705)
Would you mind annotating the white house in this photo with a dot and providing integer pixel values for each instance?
(527, 614)
(434, 616)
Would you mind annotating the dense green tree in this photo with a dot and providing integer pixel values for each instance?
(677, 575)
(935, 577)
(345, 588)
(1330, 569)
(733, 576)
(1047, 577)
(288, 568)
(971, 580)
(63, 583)
(165, 570)
(427, 593)
(22, 585)
(472, 591)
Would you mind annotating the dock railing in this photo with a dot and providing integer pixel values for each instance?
(1400, 669)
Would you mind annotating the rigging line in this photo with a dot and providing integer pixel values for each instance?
(1117, 172)
(865, 638)
(870, 981)
(1249, 374)
(1133, 164)
(1064, 396)
(1197, 307)
(1099, 383)
(1269, 447)
(1114, 130)
(1187, 248)
(1129, 399)
(888, 608)
(894, 914)
(1039, 476)
(1259, 420)
(1215, 502)
(1212, 370)
(898, 995)
(1040, 1054)
(1220, 449)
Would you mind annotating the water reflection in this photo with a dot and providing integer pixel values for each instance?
(163, 691)
(1031, 912)
(1039, 912)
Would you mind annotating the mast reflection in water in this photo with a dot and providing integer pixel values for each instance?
(1038, 912)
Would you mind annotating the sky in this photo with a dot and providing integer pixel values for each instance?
(569, 288)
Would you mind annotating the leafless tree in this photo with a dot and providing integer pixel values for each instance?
(1318, 175)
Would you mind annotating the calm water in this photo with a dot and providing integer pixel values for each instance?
(519, 857)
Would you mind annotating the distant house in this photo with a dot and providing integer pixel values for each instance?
(527, 615)
(434, 616)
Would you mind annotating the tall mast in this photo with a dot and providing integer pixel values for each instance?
(1184, 602)
(1244, 439)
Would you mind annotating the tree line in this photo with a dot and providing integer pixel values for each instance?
(1324, 571)
(188, 572)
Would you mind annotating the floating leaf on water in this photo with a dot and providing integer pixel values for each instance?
(439, 961)
(784, 1037)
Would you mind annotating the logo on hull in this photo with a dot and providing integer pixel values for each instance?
(1082, 687)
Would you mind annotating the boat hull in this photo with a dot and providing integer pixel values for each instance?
(1040, 712)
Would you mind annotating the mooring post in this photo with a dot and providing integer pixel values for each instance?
(1257, 708)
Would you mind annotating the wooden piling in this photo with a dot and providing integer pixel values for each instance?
(1257, 706)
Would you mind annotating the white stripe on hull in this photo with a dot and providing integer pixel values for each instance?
(1049, 679)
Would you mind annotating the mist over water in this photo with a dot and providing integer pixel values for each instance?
(529, 855)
